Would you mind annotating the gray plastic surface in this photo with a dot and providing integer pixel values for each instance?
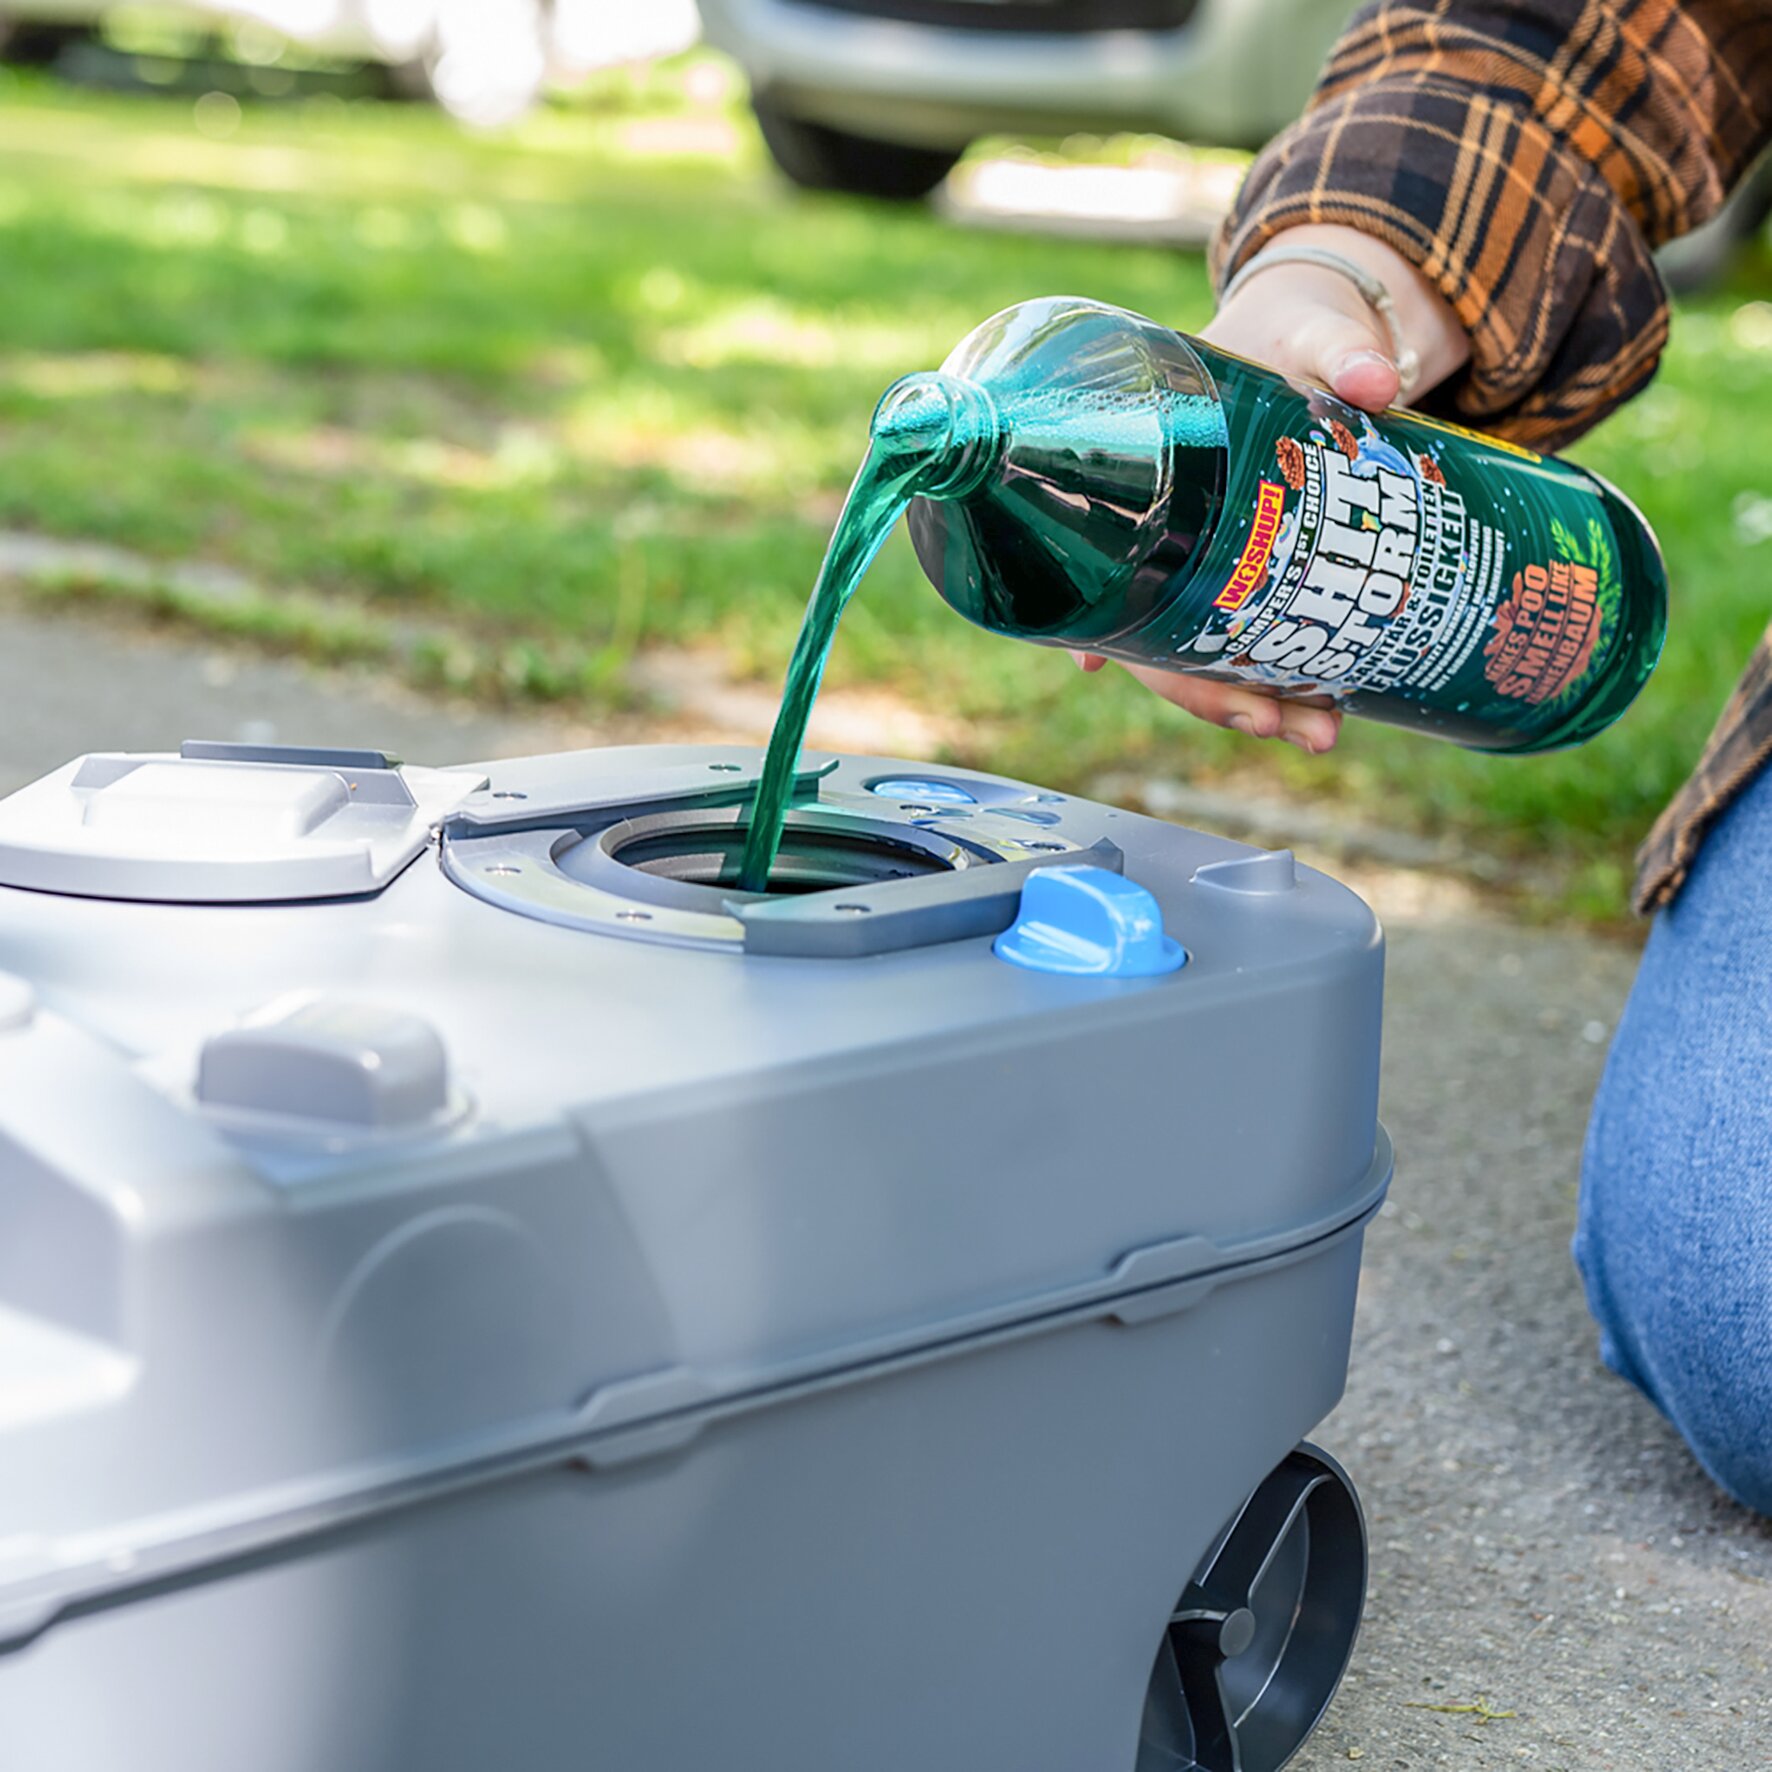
(18, 1003)
(223, 750)
(580, 783)
(881, 1341)
(1256, 876)
(223, 824)
(327, 1065)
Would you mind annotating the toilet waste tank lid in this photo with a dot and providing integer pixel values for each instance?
(224, 824)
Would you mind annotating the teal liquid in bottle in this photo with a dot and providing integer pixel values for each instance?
(1079, 476)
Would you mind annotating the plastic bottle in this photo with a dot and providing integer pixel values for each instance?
(1106, 484)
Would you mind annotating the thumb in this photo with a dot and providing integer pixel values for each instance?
(1346, 355)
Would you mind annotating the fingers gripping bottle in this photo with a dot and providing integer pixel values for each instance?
(1111, 485)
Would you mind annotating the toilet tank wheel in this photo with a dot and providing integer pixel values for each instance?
(1262, 1634)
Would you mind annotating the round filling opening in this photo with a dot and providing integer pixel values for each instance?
(811, 860)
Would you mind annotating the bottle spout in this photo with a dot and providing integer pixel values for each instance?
(949, 427)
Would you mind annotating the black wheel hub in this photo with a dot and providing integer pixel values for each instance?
(1261, 1637)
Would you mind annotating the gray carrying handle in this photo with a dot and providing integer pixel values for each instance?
(851, 922)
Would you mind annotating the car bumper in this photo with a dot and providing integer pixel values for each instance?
(1235, 74)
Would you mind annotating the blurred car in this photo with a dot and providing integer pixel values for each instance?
(486, 61)
(1705, 255)
(881, 97)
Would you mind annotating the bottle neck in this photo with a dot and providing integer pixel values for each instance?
(946, 427)
(1092, 494)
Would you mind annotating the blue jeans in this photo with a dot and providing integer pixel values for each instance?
(1674, 1238)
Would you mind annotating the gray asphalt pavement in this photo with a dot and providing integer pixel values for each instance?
(1542, 1542)
(1544, 1550)
(84, 682)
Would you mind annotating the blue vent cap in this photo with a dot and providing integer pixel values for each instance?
(1089, 923)
(940, 793)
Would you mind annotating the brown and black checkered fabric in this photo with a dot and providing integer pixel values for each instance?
(1528, 155)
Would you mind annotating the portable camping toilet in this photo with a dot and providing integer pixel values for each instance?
(476, 1291)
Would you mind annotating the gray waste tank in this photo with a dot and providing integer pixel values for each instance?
(475, 1293)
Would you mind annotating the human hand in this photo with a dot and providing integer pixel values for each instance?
(1308, 321)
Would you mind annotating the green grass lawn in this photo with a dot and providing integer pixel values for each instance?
(599, 384)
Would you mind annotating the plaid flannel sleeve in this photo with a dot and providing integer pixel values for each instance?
(1527, 155)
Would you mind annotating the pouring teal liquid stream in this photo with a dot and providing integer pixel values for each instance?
(933, 436)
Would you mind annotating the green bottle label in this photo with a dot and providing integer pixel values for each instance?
(1412, 569)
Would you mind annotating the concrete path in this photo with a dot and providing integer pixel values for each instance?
(1542, 1544)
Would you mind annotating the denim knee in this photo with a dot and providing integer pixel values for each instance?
(1695, 1344)
(1674, 1240)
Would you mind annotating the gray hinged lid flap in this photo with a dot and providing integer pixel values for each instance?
(224, 824)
